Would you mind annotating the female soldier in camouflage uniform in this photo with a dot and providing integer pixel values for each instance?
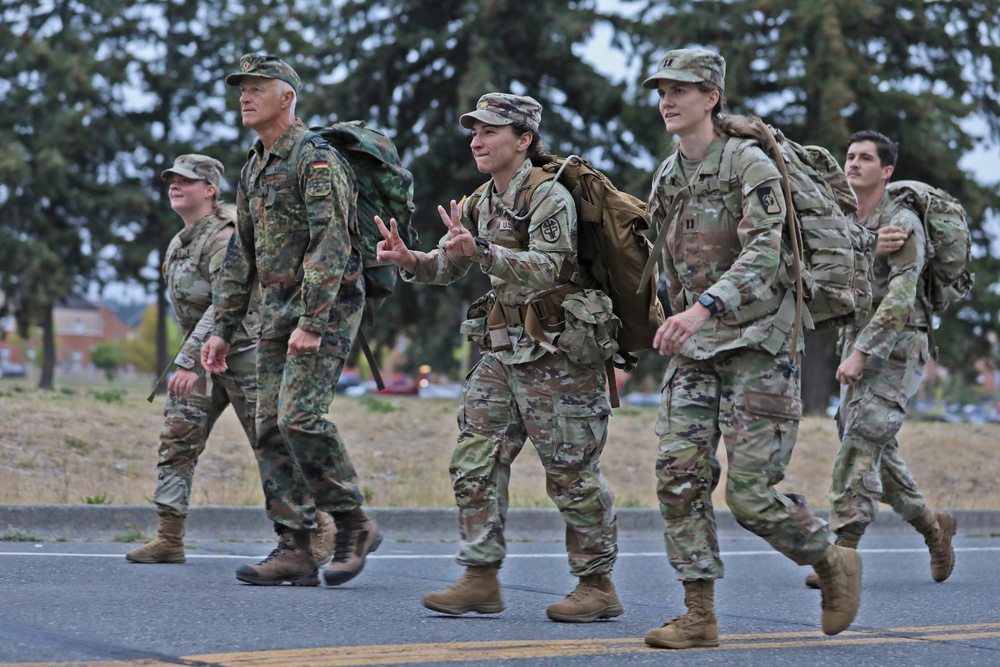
(524, 385)
(726, 380)
(193, 258)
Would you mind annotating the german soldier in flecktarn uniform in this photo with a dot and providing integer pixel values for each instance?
(295, 207)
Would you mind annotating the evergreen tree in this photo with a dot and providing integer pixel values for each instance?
(913, 70)
(62, 166)
(414, 67)
(183, 53)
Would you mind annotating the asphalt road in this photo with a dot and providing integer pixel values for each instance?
(80, 603)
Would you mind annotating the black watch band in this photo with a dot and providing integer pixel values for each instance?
(482, 247)
(708, 301)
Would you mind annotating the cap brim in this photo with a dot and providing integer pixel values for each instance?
(234, 79)
(670, 75)
(488, 117)
(180, 171)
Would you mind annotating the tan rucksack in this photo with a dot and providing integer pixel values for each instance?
(612, 248)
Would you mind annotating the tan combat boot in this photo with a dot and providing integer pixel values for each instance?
(698, 627)
(594, 597)
(357, 536)
(168, 547)
(840, 584)
(291, 562)
(321, 538)
(843, 540)
(938, 529)
(478, 590)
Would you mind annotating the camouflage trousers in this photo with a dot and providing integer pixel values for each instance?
(303, 462)
(564, 409)
(744, 398)
(868, 468)
(188, 421)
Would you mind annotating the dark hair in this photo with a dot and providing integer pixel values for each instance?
(887, 149)
(537, 146)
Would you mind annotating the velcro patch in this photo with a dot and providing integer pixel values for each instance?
(551, 231)
(768, 200)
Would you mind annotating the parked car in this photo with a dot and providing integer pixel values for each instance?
(12, 371)
(347, 380)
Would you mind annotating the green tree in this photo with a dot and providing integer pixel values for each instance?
(62, 163)
(414, 67)
(914, 70)
(108, 356)
(140, 351)
(182, 52)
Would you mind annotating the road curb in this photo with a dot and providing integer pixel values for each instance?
(106, 522)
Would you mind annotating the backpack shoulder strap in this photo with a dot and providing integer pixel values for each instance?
(212, 230)
(525, 203)
(679, 195)
(472, 201)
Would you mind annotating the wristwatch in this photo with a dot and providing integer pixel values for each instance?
(482, 249)
(708, 301)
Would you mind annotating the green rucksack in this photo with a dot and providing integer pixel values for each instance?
(832, 254)
(949, 243)
(385, 189)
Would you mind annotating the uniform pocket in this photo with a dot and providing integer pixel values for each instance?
(662, 426)
(590, 328)
(579, 434)
(776, 406)
(475, 326)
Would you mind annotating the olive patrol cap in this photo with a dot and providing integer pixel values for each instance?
(694, 65)
(266, 66)
(504, 109)
(196, 167)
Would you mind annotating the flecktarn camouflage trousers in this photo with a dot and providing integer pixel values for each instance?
(303, 461)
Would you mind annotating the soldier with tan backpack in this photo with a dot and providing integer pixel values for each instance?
(546, 335)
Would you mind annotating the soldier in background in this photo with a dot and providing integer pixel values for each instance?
(726, 380)
(523, 386)
(296, 243)
(192, 260)
(882, 362)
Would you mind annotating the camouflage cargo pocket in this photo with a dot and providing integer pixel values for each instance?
(590, 329)
(474, 327)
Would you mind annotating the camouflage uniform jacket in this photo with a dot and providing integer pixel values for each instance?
(897, 283)
(190, 266)
(708, 249)
(519, 271)
(298, 247)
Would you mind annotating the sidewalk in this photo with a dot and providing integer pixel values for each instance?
(105, 522)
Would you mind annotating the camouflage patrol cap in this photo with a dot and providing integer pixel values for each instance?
(694, 65)
(504, 109)
(266, 66)
(196, 167)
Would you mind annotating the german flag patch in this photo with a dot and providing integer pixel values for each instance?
(320, 164)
